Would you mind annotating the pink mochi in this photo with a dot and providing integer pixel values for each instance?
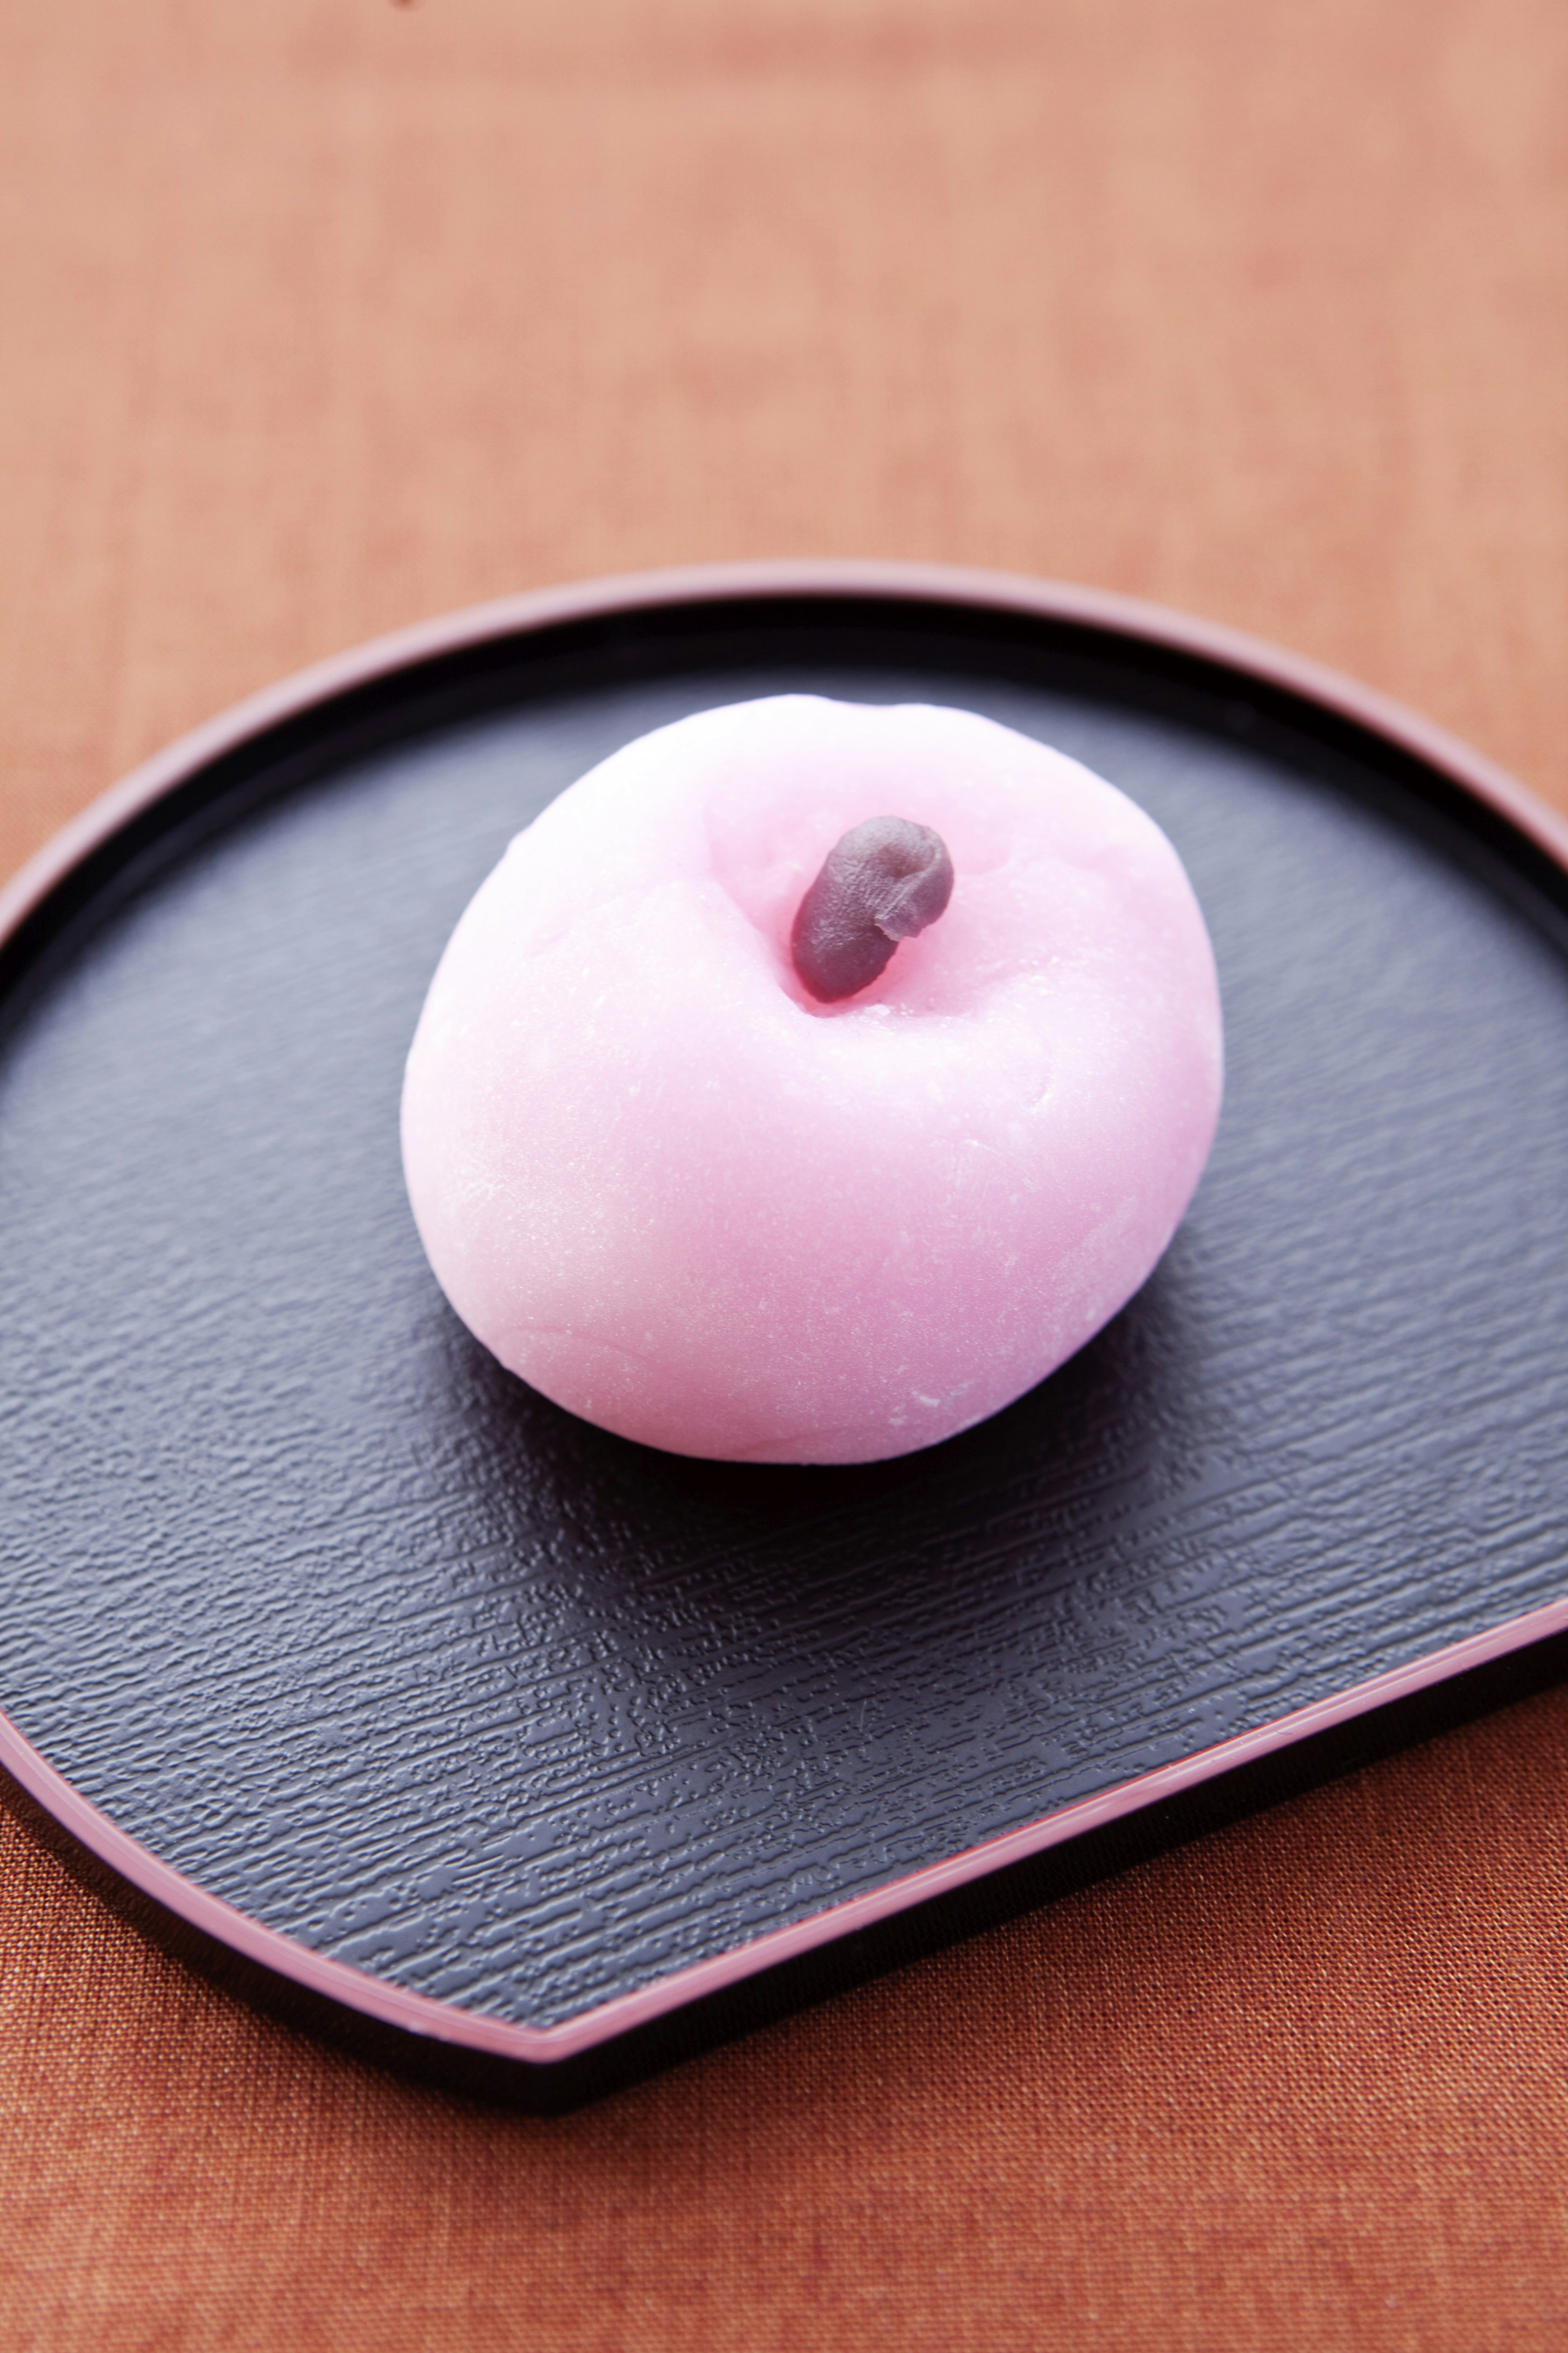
(680, 1197)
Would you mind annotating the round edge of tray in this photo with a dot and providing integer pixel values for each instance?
(421, 2017)
(535, 611)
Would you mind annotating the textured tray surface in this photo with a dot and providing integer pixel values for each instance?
(365, 1638)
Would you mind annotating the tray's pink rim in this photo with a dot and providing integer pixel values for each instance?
(512, 616)
(503, 617)
(418, 2013)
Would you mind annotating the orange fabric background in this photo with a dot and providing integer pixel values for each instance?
(319, 315)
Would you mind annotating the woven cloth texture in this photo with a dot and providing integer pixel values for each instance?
(317, 316)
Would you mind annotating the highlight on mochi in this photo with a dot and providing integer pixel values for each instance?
(749, 1121)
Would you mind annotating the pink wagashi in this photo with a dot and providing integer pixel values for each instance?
(684, 1195)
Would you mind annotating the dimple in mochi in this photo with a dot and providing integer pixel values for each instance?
(683, 1185)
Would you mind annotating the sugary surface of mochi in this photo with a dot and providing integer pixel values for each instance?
(686, 1200)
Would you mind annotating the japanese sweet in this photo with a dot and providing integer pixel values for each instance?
(812, 1078)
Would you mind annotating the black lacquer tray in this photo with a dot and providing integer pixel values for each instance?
(508, 1748)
